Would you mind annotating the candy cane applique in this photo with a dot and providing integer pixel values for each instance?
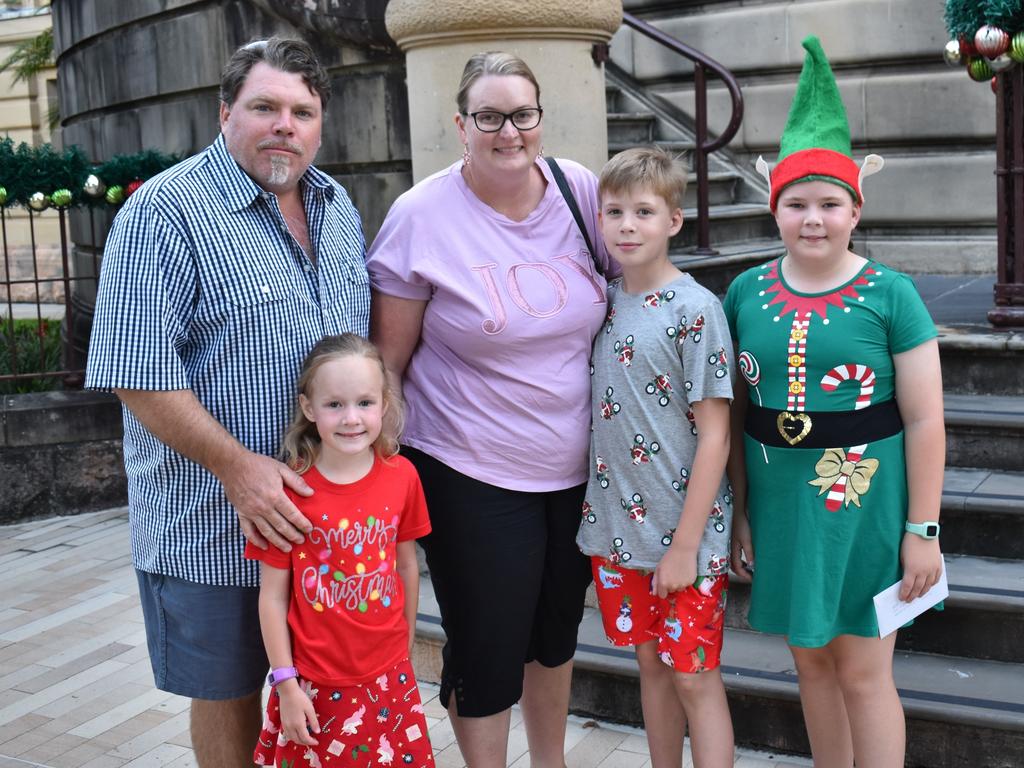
(750, 369)
(865, 376)
(850, 372)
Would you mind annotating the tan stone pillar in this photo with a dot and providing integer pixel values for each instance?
(555, 39)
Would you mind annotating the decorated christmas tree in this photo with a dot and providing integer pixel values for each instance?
(988, 36)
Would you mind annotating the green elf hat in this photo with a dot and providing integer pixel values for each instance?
(815, 144)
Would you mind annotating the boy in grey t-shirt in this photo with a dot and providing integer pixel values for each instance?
(657, 513)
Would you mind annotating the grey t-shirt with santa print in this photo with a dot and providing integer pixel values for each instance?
(656, 354)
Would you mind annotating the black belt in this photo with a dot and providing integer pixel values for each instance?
(822, 429)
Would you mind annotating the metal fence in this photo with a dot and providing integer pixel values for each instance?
(37, 349)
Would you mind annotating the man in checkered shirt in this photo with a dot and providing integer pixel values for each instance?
(218, 276)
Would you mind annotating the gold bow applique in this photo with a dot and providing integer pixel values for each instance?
(834, 465)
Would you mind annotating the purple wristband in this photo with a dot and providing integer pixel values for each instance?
(281, 674)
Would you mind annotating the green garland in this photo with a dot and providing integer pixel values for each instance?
(1005, 14)
(38, 177)
(964, 17)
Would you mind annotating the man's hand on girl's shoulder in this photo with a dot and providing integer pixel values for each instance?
(254, 485)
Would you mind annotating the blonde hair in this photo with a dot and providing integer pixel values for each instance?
(301, 445)
(650, 167)
(491, 63)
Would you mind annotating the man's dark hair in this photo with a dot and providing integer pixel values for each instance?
(287, 55)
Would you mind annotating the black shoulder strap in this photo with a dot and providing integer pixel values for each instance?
(570, 199)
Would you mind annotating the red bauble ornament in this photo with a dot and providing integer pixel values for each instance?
(132, 186)
(991, 41)
(967, 49)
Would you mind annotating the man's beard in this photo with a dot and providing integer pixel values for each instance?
(280, 168)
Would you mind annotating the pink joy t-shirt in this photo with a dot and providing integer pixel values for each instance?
(499, 386)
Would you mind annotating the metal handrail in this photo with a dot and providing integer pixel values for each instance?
(701, 63)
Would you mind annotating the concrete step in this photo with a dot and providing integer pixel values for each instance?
(612, 97)
(977, 360)
(983, 513)
(983, 616)
(985, 431)
(721, 190)
(630, 128)
(680, 148)
(733, 224)
(716, 272)
(959, 711)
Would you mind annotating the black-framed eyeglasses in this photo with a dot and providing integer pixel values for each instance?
(489, 121)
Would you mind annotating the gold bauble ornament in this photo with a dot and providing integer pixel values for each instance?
(951, 54)
(93, 187)
(115, 194)
(38, 201)
(61, 198)
(978, 69)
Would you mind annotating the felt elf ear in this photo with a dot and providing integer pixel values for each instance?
(872, 164)
(762, 167)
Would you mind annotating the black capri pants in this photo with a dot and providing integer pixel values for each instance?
(509, 580)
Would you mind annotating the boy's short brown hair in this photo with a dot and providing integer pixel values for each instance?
(650, 167)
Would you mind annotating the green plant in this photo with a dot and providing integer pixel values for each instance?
(30, 57)
(37, 349)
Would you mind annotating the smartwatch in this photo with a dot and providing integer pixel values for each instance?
(281, 674)
(926, 530)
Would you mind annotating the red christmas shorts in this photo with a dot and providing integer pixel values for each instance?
(377, 723)
(687, 624)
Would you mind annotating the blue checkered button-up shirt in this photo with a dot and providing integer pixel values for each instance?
(203, 288)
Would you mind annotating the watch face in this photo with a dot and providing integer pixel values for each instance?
(931, 530)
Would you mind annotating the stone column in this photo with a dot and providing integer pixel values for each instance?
(557, 40)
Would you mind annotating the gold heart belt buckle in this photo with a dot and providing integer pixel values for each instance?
(794, 426)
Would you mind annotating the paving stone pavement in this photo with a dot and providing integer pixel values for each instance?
(76, 689)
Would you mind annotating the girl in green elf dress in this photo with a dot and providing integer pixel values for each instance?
(839, 445)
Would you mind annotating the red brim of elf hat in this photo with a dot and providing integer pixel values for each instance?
(815, 165)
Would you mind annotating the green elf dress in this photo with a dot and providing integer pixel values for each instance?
(827, 487)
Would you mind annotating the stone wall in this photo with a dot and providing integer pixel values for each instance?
(145, 75)
(933, 207)
(60, 454)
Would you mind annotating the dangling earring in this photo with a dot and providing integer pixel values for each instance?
(541, 153)
(465, 154)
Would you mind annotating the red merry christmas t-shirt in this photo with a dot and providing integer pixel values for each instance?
(346, 613)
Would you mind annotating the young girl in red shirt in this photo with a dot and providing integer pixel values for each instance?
(338, 612)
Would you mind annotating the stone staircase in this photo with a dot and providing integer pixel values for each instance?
(960, 672)
(742, 229)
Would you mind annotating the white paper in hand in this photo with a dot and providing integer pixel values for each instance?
(893, 613)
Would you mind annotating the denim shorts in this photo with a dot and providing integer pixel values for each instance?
(204, 640)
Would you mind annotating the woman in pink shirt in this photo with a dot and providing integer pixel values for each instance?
(485, 301)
